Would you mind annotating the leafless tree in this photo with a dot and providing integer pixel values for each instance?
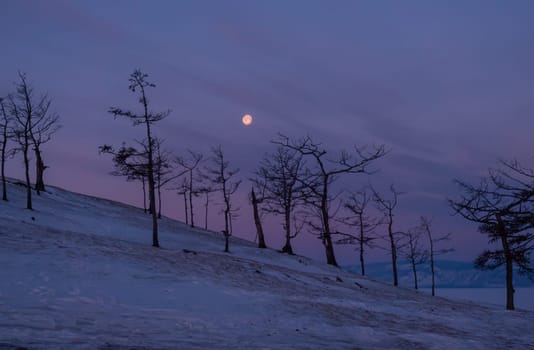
(34, 124)
(190, 166)
(387, 206)
(44, 125)
(502, 205)
(5, 121)
(414, 251)
(426, 227)
(278, 177)
(224, 181)
(138, 83)
(21, 135)
(319, 178)
(357, 205)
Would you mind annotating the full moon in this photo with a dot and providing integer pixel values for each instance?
(246, 120)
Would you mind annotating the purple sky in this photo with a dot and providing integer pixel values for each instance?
(448, 86)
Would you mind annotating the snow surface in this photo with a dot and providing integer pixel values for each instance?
(79, 273)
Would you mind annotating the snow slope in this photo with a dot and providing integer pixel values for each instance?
(79, 273)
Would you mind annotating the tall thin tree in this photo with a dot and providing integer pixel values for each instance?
(147, 118)
(224, 181)
(414, 251)
(21, 106)
(387, 206)
(426, 227)
(189, 166)
(357, 205)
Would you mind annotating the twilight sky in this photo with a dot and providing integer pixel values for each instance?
(447, 85)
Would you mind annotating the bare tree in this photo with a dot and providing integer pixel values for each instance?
(414, 251)
(189, 165)
(502, 205)
(138, 83)
(44, 125)
(5, 122)
(357, 205)
(318, 179)
(387, 206)
(426, 227)
(278, 177)
(22, 107)
(223, 179)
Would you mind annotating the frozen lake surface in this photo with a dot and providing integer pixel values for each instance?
(524, 297)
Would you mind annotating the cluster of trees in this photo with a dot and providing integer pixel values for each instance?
(27, 122)
(297, 182)
(148, 162)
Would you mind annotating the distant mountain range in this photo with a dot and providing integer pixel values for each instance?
(449, 274)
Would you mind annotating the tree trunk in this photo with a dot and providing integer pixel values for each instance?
(27, 175)
(226, 232)
(152, 196)
(257, 221)
(414, 270)
(159, 200)
(191, 197)
(287, 228)
(509, 284)
(206, 205)
(329, 247)
(4, 146)
(393, 250)
(226, 242)
(185, 208)
(432, 268)
(509, 274)
(362, 263)
(501, 230)
(151, 182)
(39, 171)
(4, 149)
(144, 193)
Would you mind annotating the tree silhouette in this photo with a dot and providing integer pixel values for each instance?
(426, 227)
(387, 206)
(189, 165)
(223, 179)
(318, 179)
(502, 205)
(277, 176)
(140, 84)
(357, 204)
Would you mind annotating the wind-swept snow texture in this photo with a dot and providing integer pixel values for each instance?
(80, 273)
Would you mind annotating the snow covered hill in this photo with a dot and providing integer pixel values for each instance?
(79, 273)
